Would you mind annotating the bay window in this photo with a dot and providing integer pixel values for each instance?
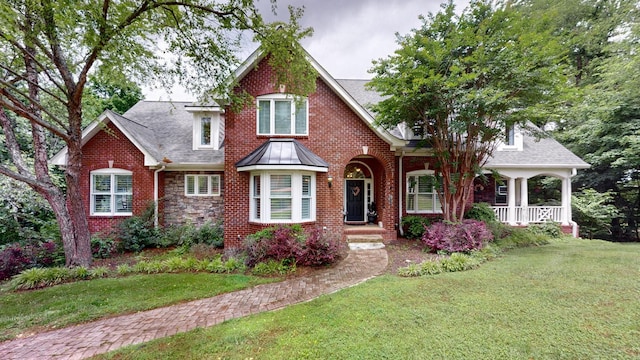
(282, 197)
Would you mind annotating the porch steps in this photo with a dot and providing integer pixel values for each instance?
(364, 241)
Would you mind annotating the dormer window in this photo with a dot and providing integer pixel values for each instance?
(205, 131)
(510, 136)
(281, 114)
(511, 140)
(208, 126)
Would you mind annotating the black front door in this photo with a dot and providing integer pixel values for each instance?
(355, 200)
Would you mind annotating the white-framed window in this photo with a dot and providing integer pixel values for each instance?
(281, 114)
(422, 192)
(205, 131)
(111, 192)
(202, 185)
(208, 128)
(282, 197)
(510, 136)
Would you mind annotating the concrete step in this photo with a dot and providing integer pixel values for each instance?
(364, 238)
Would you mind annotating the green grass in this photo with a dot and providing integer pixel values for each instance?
(572, 299)
(62, 305)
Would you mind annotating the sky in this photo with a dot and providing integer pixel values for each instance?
(348, 34)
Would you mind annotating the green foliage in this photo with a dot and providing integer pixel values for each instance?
(548, 228)
(414, 226)
(594, 212)
(481, 212)
(273, 267)
(103, 246)
(25, 216)
(103, 93)
(469, 76)
(138, 232)
(521, 238)
(452, 263)
(188, 235)
(43, 277)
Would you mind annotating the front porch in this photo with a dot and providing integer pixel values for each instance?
(524, 215)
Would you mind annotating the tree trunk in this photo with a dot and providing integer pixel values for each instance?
(80, 241)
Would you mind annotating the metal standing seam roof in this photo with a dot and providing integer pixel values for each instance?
(282, 152)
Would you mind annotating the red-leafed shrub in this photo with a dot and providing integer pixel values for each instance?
(319, 249)
(291, 243)
(461, 237)
(16, 258)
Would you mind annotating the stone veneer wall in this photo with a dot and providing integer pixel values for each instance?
(180, 209)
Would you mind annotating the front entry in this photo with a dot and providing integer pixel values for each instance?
(355, 200)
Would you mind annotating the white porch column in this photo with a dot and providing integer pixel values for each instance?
(566, 200)
(524, 201)
(511, 192)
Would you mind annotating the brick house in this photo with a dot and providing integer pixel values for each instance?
(318, 162)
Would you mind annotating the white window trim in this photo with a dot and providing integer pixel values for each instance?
(214, 129)
(196, 188)
(419, 173)
(112, 172)
(272, 116)
(296, 197)
(518, 141)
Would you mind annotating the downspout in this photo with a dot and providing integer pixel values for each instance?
(155, 195)
(400, 182)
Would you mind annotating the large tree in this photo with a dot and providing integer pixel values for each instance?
(50, 48)
(463, 80)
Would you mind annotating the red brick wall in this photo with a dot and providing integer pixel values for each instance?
(96, 155)
(414, 163)
(336, 134)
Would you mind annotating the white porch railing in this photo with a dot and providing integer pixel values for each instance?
(534, 214)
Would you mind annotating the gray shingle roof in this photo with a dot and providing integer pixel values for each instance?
(282, 152)
(545, 152)
(165, 130)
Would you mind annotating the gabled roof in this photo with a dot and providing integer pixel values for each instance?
(140, 135)
(280, 153)
(356, 105)
(161, 130)
(536, 153)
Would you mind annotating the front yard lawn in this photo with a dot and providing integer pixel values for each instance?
(23, 313)
(572, 299)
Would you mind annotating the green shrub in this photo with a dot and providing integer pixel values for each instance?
(79, 273)
(103, 246)
(414, 226)
(124, 269)
(40, 277)
(210, 234)
(411, 270)
(98, 272)
(430, 268)
(138, 232)
(273, 267)
(521, 238)
(548, 228)
(216, 265)
(481, 212)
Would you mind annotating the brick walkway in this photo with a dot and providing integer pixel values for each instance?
(85, 340)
